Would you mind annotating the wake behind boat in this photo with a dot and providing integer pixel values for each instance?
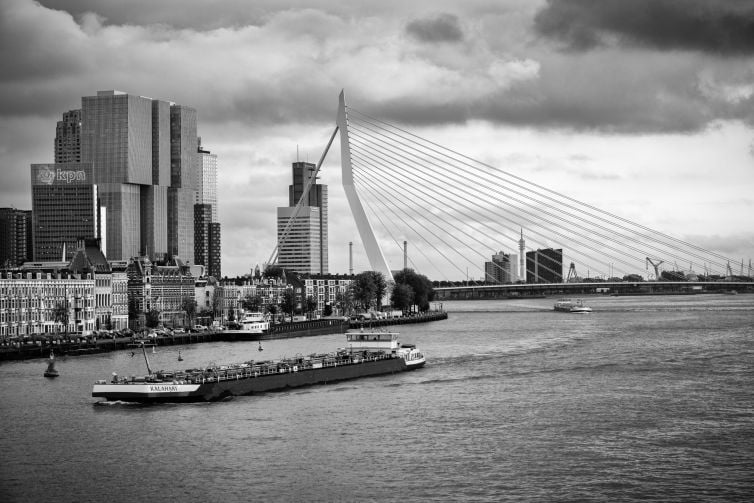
(368, 354)
(572, 306)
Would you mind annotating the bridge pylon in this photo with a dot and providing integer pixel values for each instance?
(374, 252)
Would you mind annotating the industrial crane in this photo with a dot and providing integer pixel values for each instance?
(572, 276)
(655, 265)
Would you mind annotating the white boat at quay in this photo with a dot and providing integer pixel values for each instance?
(255, 323)
(572, 306)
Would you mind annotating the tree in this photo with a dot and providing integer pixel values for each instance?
(673, 276)
(188, 306)
(344, 301)
(288, 303)
(273, 271)
(204, 317)
(216, 304)
(311, 305)
(252, 303)
(153, 318)
(368, 288)
(327, 311)
(424, 293)
(402, 297)
(61, 315)
(273, 310)
(635, 278)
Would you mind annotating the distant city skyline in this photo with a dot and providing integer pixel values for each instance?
(655, 125)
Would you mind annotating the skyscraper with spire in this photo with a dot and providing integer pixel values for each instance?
(304, 247)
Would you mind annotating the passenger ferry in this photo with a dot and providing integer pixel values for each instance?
(572, 306)
(367, 354)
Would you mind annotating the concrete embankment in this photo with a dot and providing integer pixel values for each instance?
(73, 346)
(419, 318)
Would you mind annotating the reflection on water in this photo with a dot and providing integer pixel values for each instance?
(645, 398)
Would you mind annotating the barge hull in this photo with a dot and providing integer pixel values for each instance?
(218, 390)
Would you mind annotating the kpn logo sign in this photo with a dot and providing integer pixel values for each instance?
(49, 175)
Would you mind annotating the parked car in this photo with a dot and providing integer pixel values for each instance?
(200, 328)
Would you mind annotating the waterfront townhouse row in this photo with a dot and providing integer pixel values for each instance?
(43, 303)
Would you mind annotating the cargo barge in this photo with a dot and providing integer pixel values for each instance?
(368, 354)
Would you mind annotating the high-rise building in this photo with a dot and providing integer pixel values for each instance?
(522, 257)
(142, 159)
(303, 248)
(215, 248)
(544, 266)
(64, 209)
(513, 268)
(206, 240)
(498, 270)
(206, 226)
(206, 182)
(68, 138)
(116, 137)
(182, 191)
(15, 229)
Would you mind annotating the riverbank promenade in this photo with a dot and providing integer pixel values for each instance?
(40, 347)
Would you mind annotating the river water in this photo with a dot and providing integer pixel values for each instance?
(645, 399)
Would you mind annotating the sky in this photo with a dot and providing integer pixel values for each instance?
(642, 107)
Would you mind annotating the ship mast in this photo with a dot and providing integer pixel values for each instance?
(146, 359)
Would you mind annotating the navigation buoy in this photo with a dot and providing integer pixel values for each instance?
(51, 370)
(180, 358)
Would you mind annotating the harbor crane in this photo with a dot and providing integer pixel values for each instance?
(572, 276)
(655, 265)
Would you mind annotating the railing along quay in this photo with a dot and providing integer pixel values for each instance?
(419, 318)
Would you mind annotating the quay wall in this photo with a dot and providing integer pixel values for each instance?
(419, 318)
(74, 346)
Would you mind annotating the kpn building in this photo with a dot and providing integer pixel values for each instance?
(65, 207)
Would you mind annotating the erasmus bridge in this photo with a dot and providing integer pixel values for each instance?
(456, 212)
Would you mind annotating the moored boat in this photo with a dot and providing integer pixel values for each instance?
(368, 354)
(572, 306)
(255, 323)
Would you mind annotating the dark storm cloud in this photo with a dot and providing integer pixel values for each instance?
(442, 28)
(204, 14)
(716, 26)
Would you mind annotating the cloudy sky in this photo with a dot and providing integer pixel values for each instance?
(642, 107)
